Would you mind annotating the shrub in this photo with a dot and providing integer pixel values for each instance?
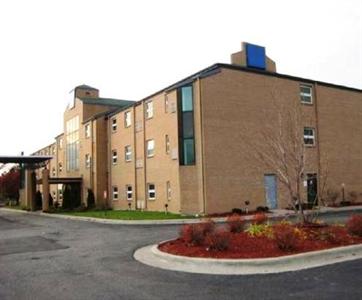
(194, 234)
(331, 197)
(218, 240)
(354, 225)
(262, 209)
(353, 196)
(235, 223)
(260, 218)
(286, 237)
(333, 235)
(259, 230)
(236, 211)
(91, 201)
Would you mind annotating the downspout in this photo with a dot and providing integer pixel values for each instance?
(202, 149)
(134, 156)
(109, 159)
(317, 139)
(144, 153)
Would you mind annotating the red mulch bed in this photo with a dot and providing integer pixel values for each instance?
(243, 245)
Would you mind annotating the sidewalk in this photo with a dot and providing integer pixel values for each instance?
(274, 215)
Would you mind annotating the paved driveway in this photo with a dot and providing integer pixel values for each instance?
(47, 258)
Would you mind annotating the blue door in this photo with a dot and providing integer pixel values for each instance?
(270, 185)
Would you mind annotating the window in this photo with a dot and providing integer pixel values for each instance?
(87, 161)
(166, 103)
(53, 172)
(114, 125)
(186, 126)
(151, 191)
(168, 190)
(149, 109)
(150, 148)
(309, 137)
(72, 143)
(127, 119)
(60, 167)
(60, 143)
(129, 192)
(167, 144)
(114, 156)
(115, 193)
(53, 150)
(87, 130)
(306, 94)
(127, 153)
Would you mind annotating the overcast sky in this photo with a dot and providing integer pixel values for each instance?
(130, 49)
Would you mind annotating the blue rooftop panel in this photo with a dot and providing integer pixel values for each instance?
(255, 56)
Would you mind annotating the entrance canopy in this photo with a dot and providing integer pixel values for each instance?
(24, 159)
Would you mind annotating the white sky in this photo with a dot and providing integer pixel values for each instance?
(130, 49)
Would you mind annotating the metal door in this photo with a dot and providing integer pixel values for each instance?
(270, 185)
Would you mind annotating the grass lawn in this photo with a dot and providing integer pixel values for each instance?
(126, 215)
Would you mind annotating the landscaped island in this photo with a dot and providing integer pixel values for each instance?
(236, 239)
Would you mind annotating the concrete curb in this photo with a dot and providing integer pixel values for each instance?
(150, 255)
(277, 215)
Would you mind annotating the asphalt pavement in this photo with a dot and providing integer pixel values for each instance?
(50, 258)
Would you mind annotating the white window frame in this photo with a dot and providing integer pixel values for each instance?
(167, 144)
(150, 151)
(87, 131)
(149, 191)
(149, 109)
(114, 193)
(127, 119)
(114, 156)
(309, 137)
(168, 190)
(306, 95)
(128, 153)
(114, 124)
(87, 161)
(129, 192)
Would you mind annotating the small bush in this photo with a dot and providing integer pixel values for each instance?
(218, 240)
(354, 225)
(353, 196)
(194, 234)
(236, 211)
(235, 223)
(260, 218)
(331, 197)
(262, 209)
(259, 230)
(333, 235)
(286, 237)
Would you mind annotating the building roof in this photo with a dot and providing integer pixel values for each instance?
(107, 101)
(216, 68)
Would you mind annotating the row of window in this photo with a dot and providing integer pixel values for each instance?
(151, 192)
(150, 150)
(148, 114)
(308, 135)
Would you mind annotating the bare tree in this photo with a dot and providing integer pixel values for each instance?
(279, 145)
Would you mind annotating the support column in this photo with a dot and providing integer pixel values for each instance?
(28, 197)
(45, 180)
